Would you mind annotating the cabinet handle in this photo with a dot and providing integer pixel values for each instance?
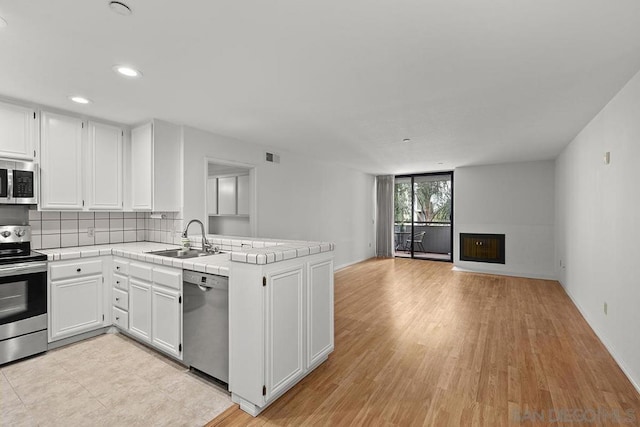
(117, 282)
(79, 270)
(117, 318)
(117, 268)
(117, 299)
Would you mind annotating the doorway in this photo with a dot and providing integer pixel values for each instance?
(423, 212)
(230, 198)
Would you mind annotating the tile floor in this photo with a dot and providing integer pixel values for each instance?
(109, 380)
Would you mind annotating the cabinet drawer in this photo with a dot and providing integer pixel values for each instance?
(120, 318)
(121, 266)
(141, 271)
(121, 299)
(68, 270)
(166, 277)
(121, 282)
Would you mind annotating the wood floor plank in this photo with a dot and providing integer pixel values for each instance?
(419, 344)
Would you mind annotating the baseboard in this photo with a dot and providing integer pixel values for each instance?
(70, 340)
(610, 348)
(505, 273)
(349, 264)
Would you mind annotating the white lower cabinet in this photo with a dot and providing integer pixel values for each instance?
(120, 318)
(155, 306)
(165, 320)
(75, 298)
(319, 311)
(281, 326)
(143, 300)
(140, 309)
(285, 330)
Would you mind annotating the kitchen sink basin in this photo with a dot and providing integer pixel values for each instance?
(183, 253)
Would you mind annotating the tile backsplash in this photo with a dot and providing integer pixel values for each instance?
(65, 229)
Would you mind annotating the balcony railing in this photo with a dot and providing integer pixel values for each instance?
(436, 239)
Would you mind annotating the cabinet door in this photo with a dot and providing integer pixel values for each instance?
(76, 306)
(140, 309)
(165, 323)
(104, 167)
(284, 340)
(227, 195)
(61, 162)
(17, 131)
(319, 312)
(141, 167)
(212, 196)
(243, 195)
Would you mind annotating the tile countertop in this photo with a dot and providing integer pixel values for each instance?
(213, 264)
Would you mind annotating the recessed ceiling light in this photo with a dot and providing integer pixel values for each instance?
(80, 99)
(3, 23)
(120, 8)
(406, 140)
(126, 71)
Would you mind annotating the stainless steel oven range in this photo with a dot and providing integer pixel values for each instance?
(23, 295)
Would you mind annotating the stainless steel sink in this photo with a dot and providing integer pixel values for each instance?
(183, 253)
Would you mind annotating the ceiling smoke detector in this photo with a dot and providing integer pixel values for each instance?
(120, 8)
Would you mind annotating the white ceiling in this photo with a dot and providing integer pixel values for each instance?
(468, 81)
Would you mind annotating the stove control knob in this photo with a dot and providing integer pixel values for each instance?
(5, 234)
(20, 232)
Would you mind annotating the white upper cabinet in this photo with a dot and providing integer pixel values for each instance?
(243, 194)
(61, 162)
(155, 167)
(81, 166)
(141, 168)
(17, 131)
(227, 195)
(104, 167)
(212, 196)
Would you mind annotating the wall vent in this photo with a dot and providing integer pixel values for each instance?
(272, 158)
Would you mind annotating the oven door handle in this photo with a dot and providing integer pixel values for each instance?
(23, 268)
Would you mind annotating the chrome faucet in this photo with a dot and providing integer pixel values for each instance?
(206, 246)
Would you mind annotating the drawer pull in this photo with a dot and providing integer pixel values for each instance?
(117, 299)
(118, 268)
(79, 270)
(117, 318)
(117, 282)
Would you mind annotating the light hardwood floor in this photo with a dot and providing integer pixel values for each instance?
(419, 344)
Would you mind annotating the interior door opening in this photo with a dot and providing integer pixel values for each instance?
(423, 210)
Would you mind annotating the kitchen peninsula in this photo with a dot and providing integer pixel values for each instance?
(280, 305)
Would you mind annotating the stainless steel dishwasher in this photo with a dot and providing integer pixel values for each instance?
(206, 323)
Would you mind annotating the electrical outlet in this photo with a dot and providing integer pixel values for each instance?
(606, 308)
(91, 231)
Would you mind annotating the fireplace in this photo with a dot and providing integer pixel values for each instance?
(481, 247)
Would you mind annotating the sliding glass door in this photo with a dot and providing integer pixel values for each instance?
(423, 212)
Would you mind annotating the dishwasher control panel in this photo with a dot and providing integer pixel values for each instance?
(204, 279)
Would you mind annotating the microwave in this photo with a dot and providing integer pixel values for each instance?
(18, 183)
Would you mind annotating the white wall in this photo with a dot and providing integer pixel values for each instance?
(298, 198)
(515, 199)
(598, 225)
